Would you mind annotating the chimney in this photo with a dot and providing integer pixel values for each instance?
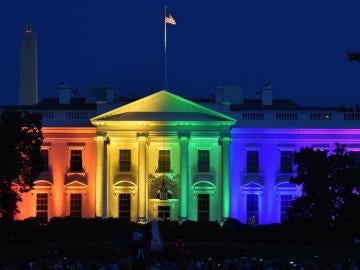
(229, 94)
(65, 94)
(266, 94)
(219, 93)
(110, 93)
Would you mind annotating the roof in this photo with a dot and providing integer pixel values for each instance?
(52, 104)
(163, 106)
(285, 105)
(162, 116)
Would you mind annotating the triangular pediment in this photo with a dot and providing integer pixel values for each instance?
(75, 184)
(252, 186)
(162, 106)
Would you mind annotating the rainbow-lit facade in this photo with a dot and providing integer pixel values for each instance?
(166, 157)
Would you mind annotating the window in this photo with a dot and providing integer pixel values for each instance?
(76, 115)
(125, 161)
(320, 116)
(352, 116)
(42, 206)
(286, 116)
(164, 161)
(252, 161)
(253, 116)
(252, 206)
(203, 207)
(163, 194)
(163, 212)
(286, 161)
(124, 206)
(203, 160)
(76, 161)
(44, 156)
(75, 205)
(47, 115)
(285, 204)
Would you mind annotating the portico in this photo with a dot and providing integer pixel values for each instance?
(163, 157)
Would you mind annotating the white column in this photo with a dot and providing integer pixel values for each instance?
(142, 140)
(100, 182)
(184, 176)
(225, 176)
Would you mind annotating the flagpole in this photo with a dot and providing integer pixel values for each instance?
(165, 44)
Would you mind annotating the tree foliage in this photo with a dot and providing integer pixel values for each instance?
(21, 138)
(330, 189)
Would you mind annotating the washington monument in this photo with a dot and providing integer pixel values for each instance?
(28, 94)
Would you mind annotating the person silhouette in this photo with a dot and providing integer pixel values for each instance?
(138, 238)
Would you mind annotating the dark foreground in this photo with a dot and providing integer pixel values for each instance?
(175, 255)
(65, 243)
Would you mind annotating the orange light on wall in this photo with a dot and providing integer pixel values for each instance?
(57, 141)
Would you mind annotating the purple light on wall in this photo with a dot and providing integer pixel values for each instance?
(269, 163)
(270, 142)
(236, 161)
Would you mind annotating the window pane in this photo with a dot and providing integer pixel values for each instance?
(44, 155)
(42, 206)
(76, 161)
(286, 161)
(125, 161)
(75, 205)
(124, 206)
(203, 160)
(164, 161)
(203, 207)
(252, 161)
(252, 206)
(285, 204)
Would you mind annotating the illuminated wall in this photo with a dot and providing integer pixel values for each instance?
(58, 182)
(163, 121)
(159, 122)
(270, 183)
(166, 122)
(129, 182)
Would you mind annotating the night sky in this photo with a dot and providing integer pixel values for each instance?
(300, 46)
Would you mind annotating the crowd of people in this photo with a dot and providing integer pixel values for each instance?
(157, 262)
(144, 250)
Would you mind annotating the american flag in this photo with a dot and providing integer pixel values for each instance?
(169, 19)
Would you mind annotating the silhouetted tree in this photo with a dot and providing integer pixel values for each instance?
(330, 186)
(20, 138)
